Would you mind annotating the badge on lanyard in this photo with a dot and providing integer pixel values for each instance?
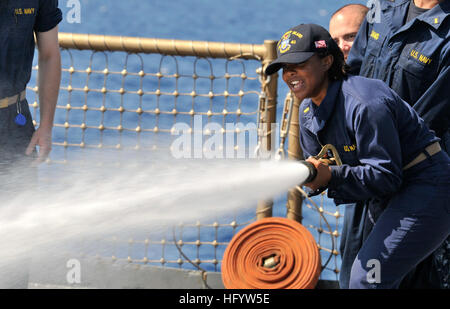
(20, 119)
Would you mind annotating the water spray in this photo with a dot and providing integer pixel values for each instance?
(90, 202)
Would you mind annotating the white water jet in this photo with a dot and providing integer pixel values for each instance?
(102, 200)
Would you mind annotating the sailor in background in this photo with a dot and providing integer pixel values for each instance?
(405, 43)
(20, 20)
(344, 25)
(387, 152)
(408, 48)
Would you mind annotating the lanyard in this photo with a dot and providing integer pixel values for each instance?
(20, 119)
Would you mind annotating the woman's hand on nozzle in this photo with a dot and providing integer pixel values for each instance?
(323, 174)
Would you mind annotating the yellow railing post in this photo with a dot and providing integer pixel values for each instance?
(264, 208)
(294, 198)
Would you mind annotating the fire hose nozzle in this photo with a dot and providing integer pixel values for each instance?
(312, 171)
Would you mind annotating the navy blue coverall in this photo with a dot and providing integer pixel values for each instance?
(376, 134)
(412, 58)
(18, 21)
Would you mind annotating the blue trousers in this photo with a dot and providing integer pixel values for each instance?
(415, 222)
(351, 239)
(14, 139)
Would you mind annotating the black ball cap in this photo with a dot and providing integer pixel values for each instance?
(299, 44)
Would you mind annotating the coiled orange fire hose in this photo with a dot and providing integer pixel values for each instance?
(272, 253)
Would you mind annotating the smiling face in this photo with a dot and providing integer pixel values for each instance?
(308, 79)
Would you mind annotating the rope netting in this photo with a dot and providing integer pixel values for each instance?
(131, 108)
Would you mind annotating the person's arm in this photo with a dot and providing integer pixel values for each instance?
(308, 141)
(49, 78)
(379, 153)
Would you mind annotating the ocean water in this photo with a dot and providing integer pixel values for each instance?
(243, 21)
(249, 21)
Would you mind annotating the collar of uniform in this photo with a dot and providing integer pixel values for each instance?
(320, 114)
(392, 3)
(324, 110)
(435, 16)
(394, 12)
(398, 10)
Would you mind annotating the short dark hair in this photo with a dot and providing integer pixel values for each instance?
(339, 69)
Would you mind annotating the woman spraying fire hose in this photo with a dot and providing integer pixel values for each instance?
(390, 159)
(275, 253)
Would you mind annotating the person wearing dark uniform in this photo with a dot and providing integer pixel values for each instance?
(409, 49)
(20, 22)
(344, 25)
(386, 149)
(405, 43)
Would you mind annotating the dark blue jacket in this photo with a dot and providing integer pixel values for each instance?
(18, 21)
(412, 58)
(375, 132)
